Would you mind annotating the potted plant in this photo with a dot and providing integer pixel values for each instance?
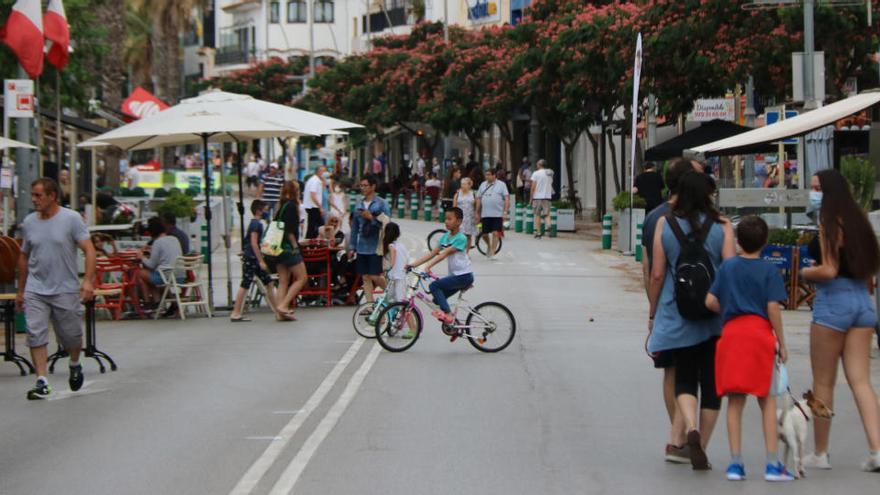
(564, 215)
(182, 206)
(628, 220)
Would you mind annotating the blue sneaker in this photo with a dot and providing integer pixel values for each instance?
(777, 472)
(736, 472)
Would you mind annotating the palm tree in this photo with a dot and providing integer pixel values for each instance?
(111, 15)
(168, 19)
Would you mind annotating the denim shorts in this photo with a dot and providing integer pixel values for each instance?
(844, 303)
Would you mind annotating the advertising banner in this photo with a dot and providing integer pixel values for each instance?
(18, 96)
(714, 108)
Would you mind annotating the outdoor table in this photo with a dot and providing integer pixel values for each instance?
(9, 353)
(121, 227)
(91, 348)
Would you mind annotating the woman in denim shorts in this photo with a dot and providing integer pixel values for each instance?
(847, 257)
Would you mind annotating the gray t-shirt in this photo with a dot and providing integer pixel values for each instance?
(492, 199)
(164, 254)
(51, 246)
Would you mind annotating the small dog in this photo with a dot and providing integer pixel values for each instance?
(793, 419)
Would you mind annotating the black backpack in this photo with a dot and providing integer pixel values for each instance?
(694, 272)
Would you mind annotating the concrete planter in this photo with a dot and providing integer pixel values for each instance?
(565, 220)
(624, 232)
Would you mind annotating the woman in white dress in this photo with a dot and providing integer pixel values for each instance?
(465, 199)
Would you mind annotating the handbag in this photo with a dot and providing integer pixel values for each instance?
(271, 245)
(780, 380)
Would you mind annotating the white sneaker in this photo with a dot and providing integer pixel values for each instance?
(817, 461)
(872, 464)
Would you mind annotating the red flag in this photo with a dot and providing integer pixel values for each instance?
(23, 33)
(57, 31)
(141, 103)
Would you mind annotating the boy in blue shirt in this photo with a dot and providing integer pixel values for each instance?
(452, 247)
(747, 291)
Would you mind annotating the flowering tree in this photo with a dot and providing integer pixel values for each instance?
(268, 80)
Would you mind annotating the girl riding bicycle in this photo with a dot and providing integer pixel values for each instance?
(453, 247)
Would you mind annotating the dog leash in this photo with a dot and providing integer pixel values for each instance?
(797, 404)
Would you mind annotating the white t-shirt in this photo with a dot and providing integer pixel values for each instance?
(420, 167)
(432, 183)
(543, 180)
(397, 271)
(253, 169)
(313, 185)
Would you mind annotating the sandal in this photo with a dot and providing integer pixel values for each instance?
(288, 316)
(239, 319)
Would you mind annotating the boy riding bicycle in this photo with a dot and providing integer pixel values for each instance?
(452, 247)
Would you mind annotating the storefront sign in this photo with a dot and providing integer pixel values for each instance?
(480, 11)
(711, 109)
(18, 95)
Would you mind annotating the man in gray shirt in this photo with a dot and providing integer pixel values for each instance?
(48, 282)
(493, 203)
(163, 256)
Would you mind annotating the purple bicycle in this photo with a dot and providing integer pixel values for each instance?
(488, 326)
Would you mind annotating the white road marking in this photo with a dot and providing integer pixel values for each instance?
(274, 439)
(67, 394)
(294, 411)
(258, 469)
(296, 467)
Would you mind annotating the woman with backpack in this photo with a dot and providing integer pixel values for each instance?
(689, 244)
(847, 258)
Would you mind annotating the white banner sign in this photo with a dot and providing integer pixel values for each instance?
(711, 109)
(18, 95)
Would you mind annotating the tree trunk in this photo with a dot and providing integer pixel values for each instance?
(614, 161)
(569, 168)
(600, 201)
(111, 15)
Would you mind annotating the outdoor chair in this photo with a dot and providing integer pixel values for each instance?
(316, 256)
(113, 278)
(190, 292)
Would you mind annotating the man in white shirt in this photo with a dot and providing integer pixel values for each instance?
(253, 173)
(313, 195)
(541, 192)
(420, 167)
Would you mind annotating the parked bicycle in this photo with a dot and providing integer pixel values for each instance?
(488, 326)
(482, 241)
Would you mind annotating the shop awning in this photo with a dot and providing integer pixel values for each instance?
(707, 132)
(747, 142)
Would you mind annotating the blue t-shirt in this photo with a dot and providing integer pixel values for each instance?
(745, 287)
(254, 226)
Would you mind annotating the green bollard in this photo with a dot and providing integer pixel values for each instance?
(639, 242)
(414, 207)
(530, 220)
(427, 207)
(518, 218)
(606, 231)
(441, 213)
(352, 203)
(552, 221)
(401, 206)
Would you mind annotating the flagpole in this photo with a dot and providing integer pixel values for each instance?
(637, 72)
(59, 131)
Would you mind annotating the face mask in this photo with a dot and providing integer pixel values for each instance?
(265, 215)
(326, 175)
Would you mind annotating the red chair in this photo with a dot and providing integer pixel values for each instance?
(112, 274)
(132, 261)
(316, 255)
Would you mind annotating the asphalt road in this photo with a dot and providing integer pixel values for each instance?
(572, 406)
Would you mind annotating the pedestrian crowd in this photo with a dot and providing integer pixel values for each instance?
(715, 325)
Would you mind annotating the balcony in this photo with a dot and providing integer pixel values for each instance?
(233, 55)
(379, 21)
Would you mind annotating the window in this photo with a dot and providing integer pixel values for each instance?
(323, 10)
(274, 12)
(296, 11)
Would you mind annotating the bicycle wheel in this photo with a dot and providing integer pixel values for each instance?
(434, 239)
(398, 327)
(483, 244)
(491, 326)
(359, 320)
